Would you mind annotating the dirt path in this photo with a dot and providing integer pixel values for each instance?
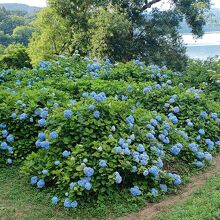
(196, 182)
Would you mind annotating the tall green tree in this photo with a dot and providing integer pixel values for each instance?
(151, 34)
(52, 37)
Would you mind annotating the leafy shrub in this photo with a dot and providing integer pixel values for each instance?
(88, 129)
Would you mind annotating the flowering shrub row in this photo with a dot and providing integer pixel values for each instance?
(86, 128)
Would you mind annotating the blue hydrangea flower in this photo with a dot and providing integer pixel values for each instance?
(159, 163)
(118, 178)
(4, 146)
(9, 161)
(67, 203)
(41, 136)
(200, 155)
(214, 115)
(176, 109)
(118, 150)
(4, 133)
(45, 144)
(74, 204)
(34, 180)
(140, 148)
(127, 151)
(154, 171)
(10, 138)
(88, 171)
(174, 119)
(199, 163)
(45, 172)
(125, 145)
(158, 118)
(72, 185)
(203, 115)
(175, 150)
(57, 162)
(54, 200)
(194, 147)
(92, 107)
(130, 119)
(88, 186)
(44, 114)
(135, 191)
(129, 88)
(146, 172)
(102, 163)
(23, 116)
(66, 153)
(154, 122)
(85, 160)
(123, 98)
(96, 114)
(150, 136)
(134, 169)
(38, 143)
(154, 192)
(177, 179)
(40, 183)
(68, 114)
(166, 105)
(208, 156)
(148, 89)
(201, 131)
(172, 100)
(42, 122)
(163, 187)
(13, 115)
(53, 135)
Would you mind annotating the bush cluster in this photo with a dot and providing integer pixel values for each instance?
(86, 128)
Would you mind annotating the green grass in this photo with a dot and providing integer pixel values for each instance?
(19, 200)
(203, 204)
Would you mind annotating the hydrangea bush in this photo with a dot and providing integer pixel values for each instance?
(87, 128)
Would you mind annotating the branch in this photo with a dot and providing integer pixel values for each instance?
(149, 4)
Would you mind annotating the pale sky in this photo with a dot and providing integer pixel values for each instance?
(42, 3)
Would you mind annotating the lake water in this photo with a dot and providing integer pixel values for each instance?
(202, 48)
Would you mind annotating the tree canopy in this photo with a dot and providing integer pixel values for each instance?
(123, 29)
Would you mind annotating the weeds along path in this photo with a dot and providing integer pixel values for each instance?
(151, 210)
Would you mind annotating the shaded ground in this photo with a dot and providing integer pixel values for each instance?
(170, 204)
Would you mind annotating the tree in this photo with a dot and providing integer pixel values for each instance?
(22, 34)
(153, 35)
(15, 56)
(51, 36)
(10, 23)
(109, 31)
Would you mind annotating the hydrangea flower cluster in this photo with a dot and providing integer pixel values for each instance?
(103, 127)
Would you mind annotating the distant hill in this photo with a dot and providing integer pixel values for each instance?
(20, 7)
(213, 22)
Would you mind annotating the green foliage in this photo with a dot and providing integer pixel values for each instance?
(15, 56)
(106, 27)
(51, 36)
(97, 28)
(22, 34)
(15, 27)
(144, 107)
(10, 23)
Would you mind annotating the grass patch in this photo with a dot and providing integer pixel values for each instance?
(203, 204)
(18, 200)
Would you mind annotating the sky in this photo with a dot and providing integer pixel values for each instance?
(42, 3)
